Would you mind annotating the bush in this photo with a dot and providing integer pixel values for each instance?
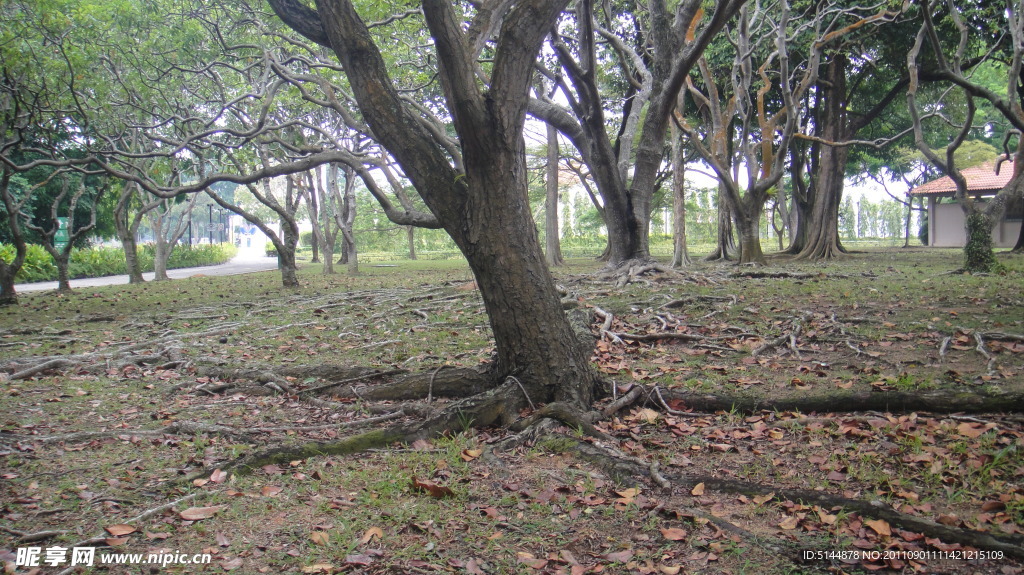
(38, 266)
(922, 234)
(201, 255)
(96, 262)
(306, 239)
(108, 261)
(270, 250)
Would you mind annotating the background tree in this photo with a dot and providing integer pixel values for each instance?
(948, 64)
(654, 47)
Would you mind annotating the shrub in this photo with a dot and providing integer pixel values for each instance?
(108, 261)
(38, 266)
(96, 262)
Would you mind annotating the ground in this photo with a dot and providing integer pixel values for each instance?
(745, 379)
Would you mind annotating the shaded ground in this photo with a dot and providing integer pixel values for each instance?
(135, 391)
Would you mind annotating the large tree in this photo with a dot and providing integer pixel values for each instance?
(655, 46)
(949, 64)
(483, 203)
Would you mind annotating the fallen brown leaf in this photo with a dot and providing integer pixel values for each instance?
(435, 490)
(880, 526)
(120, 529)
(371, 534)
(198, 513)
(673, 533)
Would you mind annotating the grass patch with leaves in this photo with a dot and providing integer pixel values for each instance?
(165, 381)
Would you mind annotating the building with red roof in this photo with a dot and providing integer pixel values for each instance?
(946, 216)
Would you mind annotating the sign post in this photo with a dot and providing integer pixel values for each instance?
(60, 239)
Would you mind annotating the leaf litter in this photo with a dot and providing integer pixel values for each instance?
(446, 507)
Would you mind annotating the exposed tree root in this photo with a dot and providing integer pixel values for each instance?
(844, 401)
(496, 406)
(24, 537)
(632, 270)
(194, 428)
(626, 471)
(447, 381)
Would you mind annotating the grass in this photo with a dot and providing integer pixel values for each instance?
(534, 509)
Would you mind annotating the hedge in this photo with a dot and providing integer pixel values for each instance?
(108, 261)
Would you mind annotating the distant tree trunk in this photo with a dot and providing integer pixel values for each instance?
(553, 253)
(328, 207)
(9, 270)
(910, 216)
(829, 172)
(680, 254)
(62, 257)
(410, 234)
(127, 226)
(748, 224)
(800, 206)
(347, 216)
(309, 194)
(978, 253)
(725, 238)
(167, 237)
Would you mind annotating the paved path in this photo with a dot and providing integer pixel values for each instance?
(246, 261)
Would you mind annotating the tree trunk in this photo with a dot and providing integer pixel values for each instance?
(680, 254)
(161, 253)
(9, 270)
(286, 264)
(62, 261)
(725, 238)
(534, 340)
(825, 195)
(328, 208)
(346, 219)
(750, 241)
(410, 234)
(126, 235)
(1019, 246)
(484, 207)
(8, 295)
(286, 253)
(978, 254)
(553, 253)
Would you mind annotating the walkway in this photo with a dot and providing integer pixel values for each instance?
(247, 261)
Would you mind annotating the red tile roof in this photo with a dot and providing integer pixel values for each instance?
(981, 178)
